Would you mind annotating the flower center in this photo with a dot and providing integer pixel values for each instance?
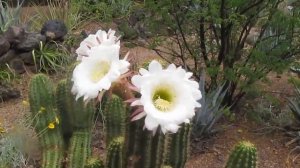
(99, 70)
(163, 98)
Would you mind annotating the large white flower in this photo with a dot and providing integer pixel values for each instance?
(168, 96)
(101, 38)
(97, 71)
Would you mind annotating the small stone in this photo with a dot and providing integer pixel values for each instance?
(14, 35)
(17, 65)
(27, 58)
(32, 41)
(11, 54)
(7, 93)
(54, 30)
(4, 45)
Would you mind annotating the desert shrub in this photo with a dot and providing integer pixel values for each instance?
(103, 10)
(55, 10)
(238, 42)
(51, 57)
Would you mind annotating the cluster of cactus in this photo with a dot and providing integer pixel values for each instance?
(64, 126)
(242, 156)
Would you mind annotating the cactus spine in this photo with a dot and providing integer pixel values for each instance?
(78, 117)
(242, 156)
(45, 120)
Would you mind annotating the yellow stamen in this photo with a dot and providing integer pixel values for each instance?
(100, 70)
(163, 97)
(162, 105)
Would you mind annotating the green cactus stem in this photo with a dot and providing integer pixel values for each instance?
(65, 105)
(80, 149)
(45, 120)
(115, 118)
(242, 156)
(115, 153)
(77, 117)
(178, 147)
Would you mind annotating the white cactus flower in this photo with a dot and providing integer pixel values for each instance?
(97, 71)
(168, 96)
(101, 38)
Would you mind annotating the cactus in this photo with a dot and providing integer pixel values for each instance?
(65, 106)
(45, 120)
(128, 144)
(115, 153)
(115, 118)
(77, 117)
(242, 156)
(178, 147)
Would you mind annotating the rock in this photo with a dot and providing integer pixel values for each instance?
(17, 65)
(30, 42)
(54, 30)
(11, 54)
(8, 93)
(14, 35)
(27, 58)
(4, 45)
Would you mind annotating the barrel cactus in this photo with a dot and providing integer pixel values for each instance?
(242, 156)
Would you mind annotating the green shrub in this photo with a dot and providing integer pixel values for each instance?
(238, 42)
(9, 16)
(51, 58)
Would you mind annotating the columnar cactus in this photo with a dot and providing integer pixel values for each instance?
(115, 153)
(178, 147)
(115, 113)
(242, 156)
(65, 106)
(128, 143)
(78, 118)
(45, 120)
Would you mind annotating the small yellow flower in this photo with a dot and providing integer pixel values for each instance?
(42, 109)
(2, 130)
(56, 120)
(51, 126)
(25, 103)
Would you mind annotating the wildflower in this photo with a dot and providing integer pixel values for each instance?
(96, 72)
(25, 103)
(56, 120)
(51, 125)
(42, 109)
(168, 96)
(2, 129)
(101, 38)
